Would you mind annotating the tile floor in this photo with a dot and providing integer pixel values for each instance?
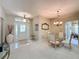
(41, 50)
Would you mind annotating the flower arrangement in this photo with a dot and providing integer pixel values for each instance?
(10, 28)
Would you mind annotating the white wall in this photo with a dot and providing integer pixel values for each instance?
(3, 15)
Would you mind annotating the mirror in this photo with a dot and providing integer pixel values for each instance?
(45, 26)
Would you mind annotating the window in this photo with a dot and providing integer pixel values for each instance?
(75, 28)
(22, 28)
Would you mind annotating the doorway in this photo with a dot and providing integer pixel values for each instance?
(21, 30)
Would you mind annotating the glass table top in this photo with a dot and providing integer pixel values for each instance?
(6, 51)
(2, 54)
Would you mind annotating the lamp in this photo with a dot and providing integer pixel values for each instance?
(58, 22)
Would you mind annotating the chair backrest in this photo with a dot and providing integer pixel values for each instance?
(61, 35)
(52, 36)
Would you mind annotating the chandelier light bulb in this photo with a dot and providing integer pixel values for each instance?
(61, 22)
(24, 20)
(57, 22)
(54, 22)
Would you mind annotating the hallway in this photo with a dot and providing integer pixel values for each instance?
(40, 50)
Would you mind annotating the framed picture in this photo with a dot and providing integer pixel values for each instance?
(45, 26)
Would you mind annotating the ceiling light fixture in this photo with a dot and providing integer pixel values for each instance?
(24, 20)
(58, 22)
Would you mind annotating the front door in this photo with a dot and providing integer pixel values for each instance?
(22, 31)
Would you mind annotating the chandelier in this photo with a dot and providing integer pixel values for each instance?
(58, 22)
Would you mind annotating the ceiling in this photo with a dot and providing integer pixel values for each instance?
(46, 8)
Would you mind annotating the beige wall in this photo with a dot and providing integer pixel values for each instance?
(36, 33)
(56, 29)
(44, 33)
(40, 34)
